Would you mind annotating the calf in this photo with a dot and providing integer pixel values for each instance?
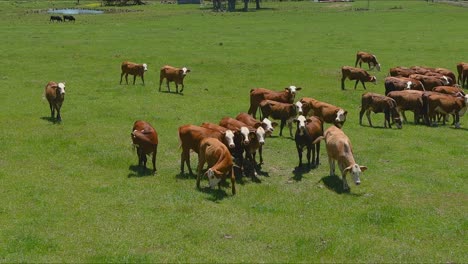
(219, 160)
(402, 83)
(327, 112)
(430, 82)
(69, 18)
(55, 18)
(281, 111)
(190, 137)
(133, 69)
(308, 130)
(368, 58)
(145, 139)
(408, 100)
(460, 66)
(379, 103)
(434, 103)
(357, 74)
(339, 148)
(55, 94)
(173, 74)
(257, 95)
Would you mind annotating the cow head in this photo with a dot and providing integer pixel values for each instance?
(377, 66)
(61, 89)
(355, 171)
(445, 80)
(145, 67)
(229, 137)
(373, 80)
(260, 133)
(245, 135)
(268, 126)
(299, 107)
(213, 177)
(408, 85)
(340, 116)
(292, 91)
(301, 124)
(183, 71)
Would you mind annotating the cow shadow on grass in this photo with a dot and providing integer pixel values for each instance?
(169, 92)
(51, 119)
(138, 171)
(299, 171)
(335, 183)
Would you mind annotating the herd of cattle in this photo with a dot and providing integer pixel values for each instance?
(59, 18)
(431, 93)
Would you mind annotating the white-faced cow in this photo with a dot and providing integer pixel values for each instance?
(55, 95)
(368, 58)
(402, 83)
(133, 69)
(173, 74)
(257, 95)
(308, 130)
(280, 111)
(378, 103)
(444, 104)
(357, 74)
(327, 112)
(339, 149)
(145, 139)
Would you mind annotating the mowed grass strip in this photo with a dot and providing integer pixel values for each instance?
(72, 192)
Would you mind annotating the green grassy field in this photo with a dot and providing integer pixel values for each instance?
(71, 192)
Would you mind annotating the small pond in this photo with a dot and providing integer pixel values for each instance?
(71, 11)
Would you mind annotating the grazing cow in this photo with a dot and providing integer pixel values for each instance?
(438, 72)
(257, 95)
(339, 148)
(368, 58)
(379, 103)
(401, 71)
(357, 74)
(55, 18)
(452, 90)
(408, 100)
(190, 137)
(55, 94)
(402, 83)
(460, 66)
(308, 130)
(280, 111)
(220, 165)
(464, 82)
(444, 104)
(173, 74)
(133, 69)
(69, 18)
(430, 82)
(267, 125)
(145, 139)
(327, 112)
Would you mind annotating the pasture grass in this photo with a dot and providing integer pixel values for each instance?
(72, 192)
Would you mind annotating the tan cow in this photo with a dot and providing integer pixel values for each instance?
(220, 165)
(339, 149)
(145, 139)
(55, 95)
(357, 74)
(133, 69)
(173, 74)
(408, 100)
(378, 103)
(434, 103)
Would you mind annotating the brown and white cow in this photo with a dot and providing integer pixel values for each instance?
(308, 130)
(368, 58)
(145, 139)
(402, 83)
(444, 104)
(280, 111)
(378, 103)
(464, 76)
(339, 149)
(408, 100)
(401, 71)
(430, 82)
(220, 165)
(437, 72)
(266, 123)
(55, 95)
(134, 69)
(190, 137)
(257, 95)
(357, 74)
(327, 112)
(173, 74)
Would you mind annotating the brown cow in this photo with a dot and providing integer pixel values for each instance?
(257, 95)
(460, 72)
(327, 112)
(219, 160)
(368, 58)
(55, 94)
(145, 139)
(464, 75)
(190, 137)
(281, 111)
(438, 72)
(452, 90)
(261, 129)
(267, 125)
(402, 83)
(408, 100)
(308, 130)
(379, 103)
(444, 104)
(401, 71)
(339, 148)
(173, 74)
(133, 69)
(430, 82)
(357, 74)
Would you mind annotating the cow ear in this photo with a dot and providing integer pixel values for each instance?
(257, 125)
(287, 89)
(188, 70)
(363, 168)
(274, 124)
(298, 88)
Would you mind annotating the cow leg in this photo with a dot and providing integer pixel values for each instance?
(233, 181)
(309, 148)
(183, 157)
(260, 154)
(361, 113)
(143, 79)
(167, 84)
(363, 85)
(404, 117)
(201, 162)
(342, 83)
(368, 113)
(181, 90)
(126, 78)
(154, 159)
(331, 162)
(317, 159)
(299, 153)
(355, 84)
(457, 120)
(345, 182)
(59, 118)
(176, 87)
(290, 126)
(121, 76)
(134, 79)
(52, 110)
